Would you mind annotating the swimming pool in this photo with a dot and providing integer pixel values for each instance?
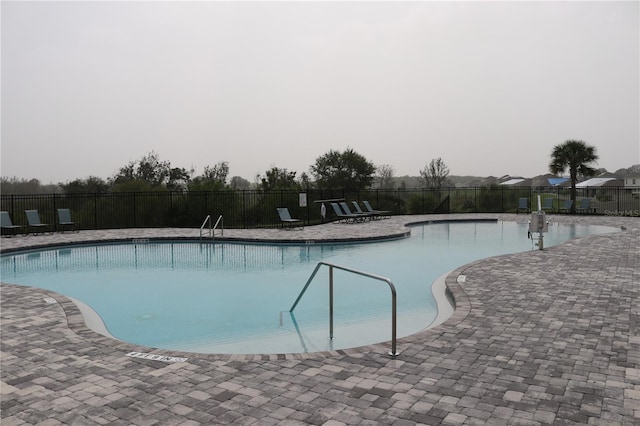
(228, 297)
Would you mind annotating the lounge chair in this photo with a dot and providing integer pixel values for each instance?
(585, 206)
(343, 217)
(358, 210)
(64, 220)
(347, 210)
(382, 213)
(7, 225)
(286, 219)
(566, 206)
(33, 219)
(523, 204)
(548, 204)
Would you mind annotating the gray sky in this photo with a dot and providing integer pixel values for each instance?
(490, 87)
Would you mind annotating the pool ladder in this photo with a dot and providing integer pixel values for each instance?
(212, 228)
(332, 266)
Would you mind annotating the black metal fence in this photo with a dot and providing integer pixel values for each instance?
(253, 209)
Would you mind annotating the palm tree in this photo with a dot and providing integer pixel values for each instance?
(575, 155)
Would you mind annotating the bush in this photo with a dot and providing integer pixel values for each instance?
(422, 204)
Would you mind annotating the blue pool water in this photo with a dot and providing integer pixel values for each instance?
(228, 297)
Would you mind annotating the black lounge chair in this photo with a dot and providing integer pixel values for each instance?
(343, 217)
(358, 210)
(33, 219)
(7, 225)
(585, 206)
(382, 213)
(64, 220)
(286, 219)
(566, 207)
(362, 215)
(523, 204)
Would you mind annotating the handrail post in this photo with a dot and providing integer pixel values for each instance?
(393, 352)
(331, 302)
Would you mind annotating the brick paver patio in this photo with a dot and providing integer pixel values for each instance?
(541, 337)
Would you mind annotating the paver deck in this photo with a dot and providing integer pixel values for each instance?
(541, 337)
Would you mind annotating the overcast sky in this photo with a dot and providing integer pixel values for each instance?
(490, 87)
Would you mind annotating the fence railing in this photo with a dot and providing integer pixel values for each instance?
(257, 209)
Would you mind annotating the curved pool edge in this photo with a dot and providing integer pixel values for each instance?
(77, 322)
(92, 319)
(443, 296)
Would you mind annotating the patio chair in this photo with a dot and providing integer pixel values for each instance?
(345, 208)
(286, 219)
(358, 210)
(382, 213)
(33, 219)
(64, 220)
(566, 206)
(342, 216)
(585, 206)
(7, 225)
(523, 204)
(548, 204)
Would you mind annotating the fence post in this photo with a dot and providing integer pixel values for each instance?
(244, 209)
(55, 223)
(135, 212)
(95, 210)
(171, 208)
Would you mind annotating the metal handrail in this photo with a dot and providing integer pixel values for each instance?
(206, 219)
(220, 222)
(331, 266)
(212, 229)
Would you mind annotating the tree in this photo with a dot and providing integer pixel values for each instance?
(146, 174)
(239, 183)
(434, 175)
(217, 173)
(630, 171)
(305, 181)
(90, 185)
(385, 176)
(577, 157)
(277, 178)
(15, 185)
(179, 179)
(213, 178)
(343, 170)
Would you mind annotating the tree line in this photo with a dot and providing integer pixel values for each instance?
(333, 170)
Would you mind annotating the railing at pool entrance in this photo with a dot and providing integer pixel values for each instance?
(332, 266)
(212, 228)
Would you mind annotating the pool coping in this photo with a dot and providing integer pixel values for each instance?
(77, 322)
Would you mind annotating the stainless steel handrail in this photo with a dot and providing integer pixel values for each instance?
(212, 229)
(206, 219)
(331, 266)
(220, 222)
